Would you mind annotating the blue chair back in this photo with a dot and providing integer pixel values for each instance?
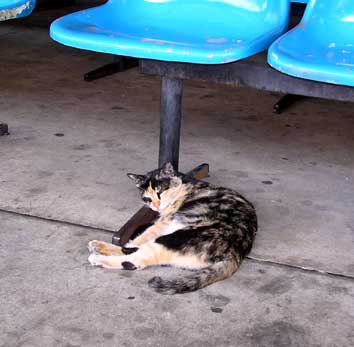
(332, 20)
(213, 17)
(195, 31)
(321, 47)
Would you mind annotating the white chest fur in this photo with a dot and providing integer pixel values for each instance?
(171, 227)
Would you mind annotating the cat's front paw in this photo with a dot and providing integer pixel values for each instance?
(92, 246)
(93, 260)
(104, 248)
(107, 262)
(101, 260)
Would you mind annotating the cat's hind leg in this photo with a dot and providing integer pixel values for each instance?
(106, 261)
(104, 248)
(148, 254)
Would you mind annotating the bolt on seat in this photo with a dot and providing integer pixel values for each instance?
(321, 47)
(199, 31)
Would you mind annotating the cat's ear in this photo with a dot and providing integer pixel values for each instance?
(167, 171)
(138, 179)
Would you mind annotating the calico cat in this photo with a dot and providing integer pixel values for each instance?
(200, 227)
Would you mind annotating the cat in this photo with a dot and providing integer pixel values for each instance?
(200, 227)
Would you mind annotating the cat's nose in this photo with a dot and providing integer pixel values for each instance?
(146, 199)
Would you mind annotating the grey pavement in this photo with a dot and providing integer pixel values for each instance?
(297, 169)
(50, 296)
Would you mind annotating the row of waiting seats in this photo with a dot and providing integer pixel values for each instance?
(171, 34)
(320, 48)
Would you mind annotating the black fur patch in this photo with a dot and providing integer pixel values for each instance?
(191, 237)
(128, 265)
(129, 250)
(177, 240)
(155, 282)
(140, 230)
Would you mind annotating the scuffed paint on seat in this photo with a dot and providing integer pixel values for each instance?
(321, 47)
(11, 9)
(198, 31)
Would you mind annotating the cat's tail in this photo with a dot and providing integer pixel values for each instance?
(199, 279)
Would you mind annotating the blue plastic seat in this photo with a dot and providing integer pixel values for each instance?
(195, 31)
(321, 47)
(11, 9)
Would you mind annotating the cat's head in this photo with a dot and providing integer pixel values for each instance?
(158, 187)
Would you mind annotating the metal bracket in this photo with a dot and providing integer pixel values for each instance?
(286, 101)
(4, 129)
(119, 64)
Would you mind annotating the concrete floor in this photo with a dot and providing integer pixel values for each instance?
(297, 168)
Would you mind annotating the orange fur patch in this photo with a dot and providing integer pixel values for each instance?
(105, 248)
(156, 254)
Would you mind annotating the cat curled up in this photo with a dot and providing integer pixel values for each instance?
(200, 227)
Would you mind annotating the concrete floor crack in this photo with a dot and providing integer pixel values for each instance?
(301, 268)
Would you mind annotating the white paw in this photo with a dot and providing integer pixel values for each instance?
(91, 246)
(107, 262)
(129, 244)
(94, 259)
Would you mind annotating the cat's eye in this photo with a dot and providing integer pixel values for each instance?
(146, 199)
(158, 195)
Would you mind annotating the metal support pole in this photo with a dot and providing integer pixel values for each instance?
(170, 120)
